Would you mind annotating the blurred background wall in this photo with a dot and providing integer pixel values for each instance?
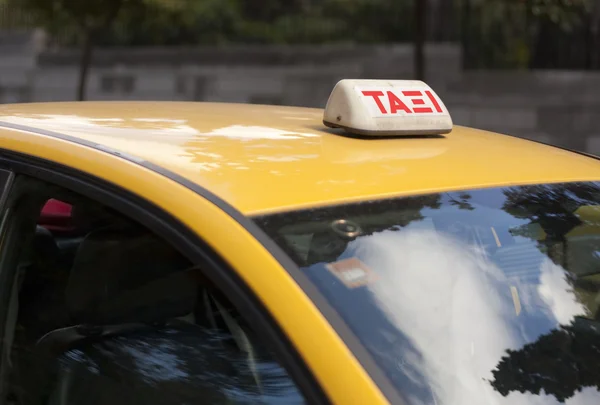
(530, 68)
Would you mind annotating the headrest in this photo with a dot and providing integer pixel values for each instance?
(56, 215)
(128, 275)
(88, 216)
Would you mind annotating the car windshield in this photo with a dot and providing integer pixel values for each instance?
(487, 296)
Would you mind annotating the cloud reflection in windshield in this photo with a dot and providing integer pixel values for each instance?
(456, 308)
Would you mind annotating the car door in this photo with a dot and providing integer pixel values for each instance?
(6, 177)
(42, 348)
(234, 253)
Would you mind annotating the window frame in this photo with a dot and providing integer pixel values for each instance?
(188, 243)
(6, 181)
(5, 185)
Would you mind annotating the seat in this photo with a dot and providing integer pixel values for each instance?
(85, 218)
(178, 363)
(56, 215)
(41, 274)
(115, 278)
(122, 280)
(37, 303)
(125, 285)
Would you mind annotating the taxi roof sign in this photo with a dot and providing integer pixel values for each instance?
(386, 108)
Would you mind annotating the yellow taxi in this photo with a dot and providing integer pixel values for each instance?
(368, 253)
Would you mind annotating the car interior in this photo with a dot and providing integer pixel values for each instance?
(91, 275)
(519, 258)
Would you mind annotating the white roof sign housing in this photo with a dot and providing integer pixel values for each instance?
(386, 108)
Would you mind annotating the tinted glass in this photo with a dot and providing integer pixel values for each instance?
(102, 311)
(177, 364)
(477, 297)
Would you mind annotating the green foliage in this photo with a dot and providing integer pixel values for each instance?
(55, 14)
(360, 21)
(188, 22)
(66, 20)
(503, 33)
(268, 21)
(560, 363)
(497, 33)
(565, 13)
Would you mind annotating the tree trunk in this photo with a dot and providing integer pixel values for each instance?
(84, 65)
(465, 33)
(420, 34)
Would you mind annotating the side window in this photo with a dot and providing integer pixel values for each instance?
(103, 311)
(6, 178)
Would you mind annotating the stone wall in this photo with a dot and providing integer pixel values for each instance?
(557, 107)
(17, 65)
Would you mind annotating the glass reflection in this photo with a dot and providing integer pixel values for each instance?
(182, 364)
(484, 297)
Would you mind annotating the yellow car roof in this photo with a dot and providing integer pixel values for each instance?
(268, 158)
